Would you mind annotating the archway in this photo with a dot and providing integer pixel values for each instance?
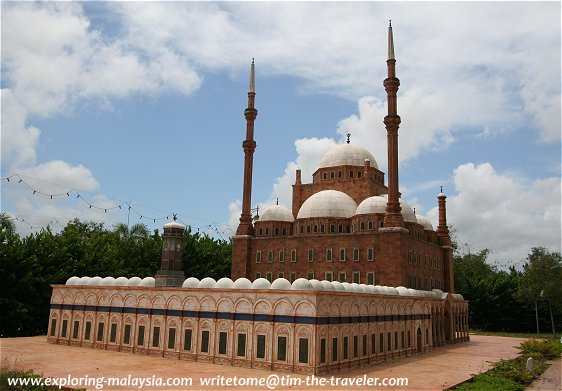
(419, 340)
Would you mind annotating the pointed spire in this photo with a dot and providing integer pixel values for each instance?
(390, 42)
(252, 87)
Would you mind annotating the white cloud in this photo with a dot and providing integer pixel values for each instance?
(504, 214)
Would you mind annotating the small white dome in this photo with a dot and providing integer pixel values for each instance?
(134, 281)
(72, 280)
(338, 286)
(207, 282)
(364, 288)
(316, 285)
(108, 281)
(328, 286)
(121, 281)
(347, 155)
(347, 287)
(370, 289)
(374, 204)
(242, 283)
(225, 283)
(300, 284)
(425, 222)
(457, 296)
(95, 280)
(357, 287)
(328, 203)
(190, 282)
(174, 224)
(393, 291)
(407, 212)
(261, 283)
(281, 283)
(277, 213)
(84, 280)
(148, 282)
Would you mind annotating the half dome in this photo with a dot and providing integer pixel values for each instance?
(328, 203)
(425, 222)
(374, 204)
(277, 213)
(347, 155)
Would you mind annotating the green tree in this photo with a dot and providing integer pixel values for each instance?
(542, 280)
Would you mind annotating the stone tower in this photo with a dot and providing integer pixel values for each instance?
(171, 273)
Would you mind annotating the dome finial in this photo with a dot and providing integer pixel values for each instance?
(277, 202)
(441, 191)
(175, 217)
(348, 136)
(390, 42)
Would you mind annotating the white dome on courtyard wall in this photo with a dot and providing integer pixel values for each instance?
(224, 283)
(242, 283)
(207, 282)
(148, 282)
(328, 203)
(277, 213)
(121, 281)
(108, 281)
(261, 283)
(301, 284)
(281, 283)
(72, 280)
(134, 281)
(191, 282)
(347, 155)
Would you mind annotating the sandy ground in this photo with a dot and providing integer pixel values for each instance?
(439, 369)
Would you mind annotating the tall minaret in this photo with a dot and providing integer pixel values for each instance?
(445, 242)
(392, 217)
(249, 146)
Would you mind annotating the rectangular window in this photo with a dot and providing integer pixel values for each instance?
(88, 330)
(187, 339)
(355, 346)
(222, 342)
(258, 275)
(281, 348)
(53, 327)
(100, 332)
(362, 226)
(281, 256)
(373, 343)
(403, 340)
(293, 255)
(342, 254)
(258, 256)
(345, 348)
(342, 277)
(76, 328)
(329, 255)
(370, 278)
(269, 276)
(381, 342)
(241, 348)
(389, 342)
(303, 350)
(356, 254)
(293, 276)
(127, 335)
(332, 228)
(172, 338)
(370, 254)
(329, 276)
(396, 340)
(281, 275)
(270, 256)
(140, 338)
(370, 225)
(205, 341)
(334, 349)
(310, 255)
(113, 333)
(365, 345)
(64, 326)
(409, 339)
(156, 337)
(260, 353)
(310, 275)
(356, 277)
(322, 350)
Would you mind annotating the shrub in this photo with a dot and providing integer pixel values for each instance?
(547, 348)
(486, 382)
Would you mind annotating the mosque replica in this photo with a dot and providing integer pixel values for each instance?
(322, 313)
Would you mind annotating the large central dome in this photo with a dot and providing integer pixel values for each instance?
(328, 203)
(347, 155)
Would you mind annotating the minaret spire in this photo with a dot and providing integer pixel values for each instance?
(392, 217)
(249, 146)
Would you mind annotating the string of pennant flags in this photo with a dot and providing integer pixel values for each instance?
(122, 205)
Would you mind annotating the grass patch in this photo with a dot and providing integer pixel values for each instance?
(517, 335)
(512, 375)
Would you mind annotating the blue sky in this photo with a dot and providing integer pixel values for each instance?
(142, 104)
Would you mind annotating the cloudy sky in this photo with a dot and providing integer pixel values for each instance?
(141, 104)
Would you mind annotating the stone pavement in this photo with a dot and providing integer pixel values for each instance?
(439, 369)
(551, 379)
